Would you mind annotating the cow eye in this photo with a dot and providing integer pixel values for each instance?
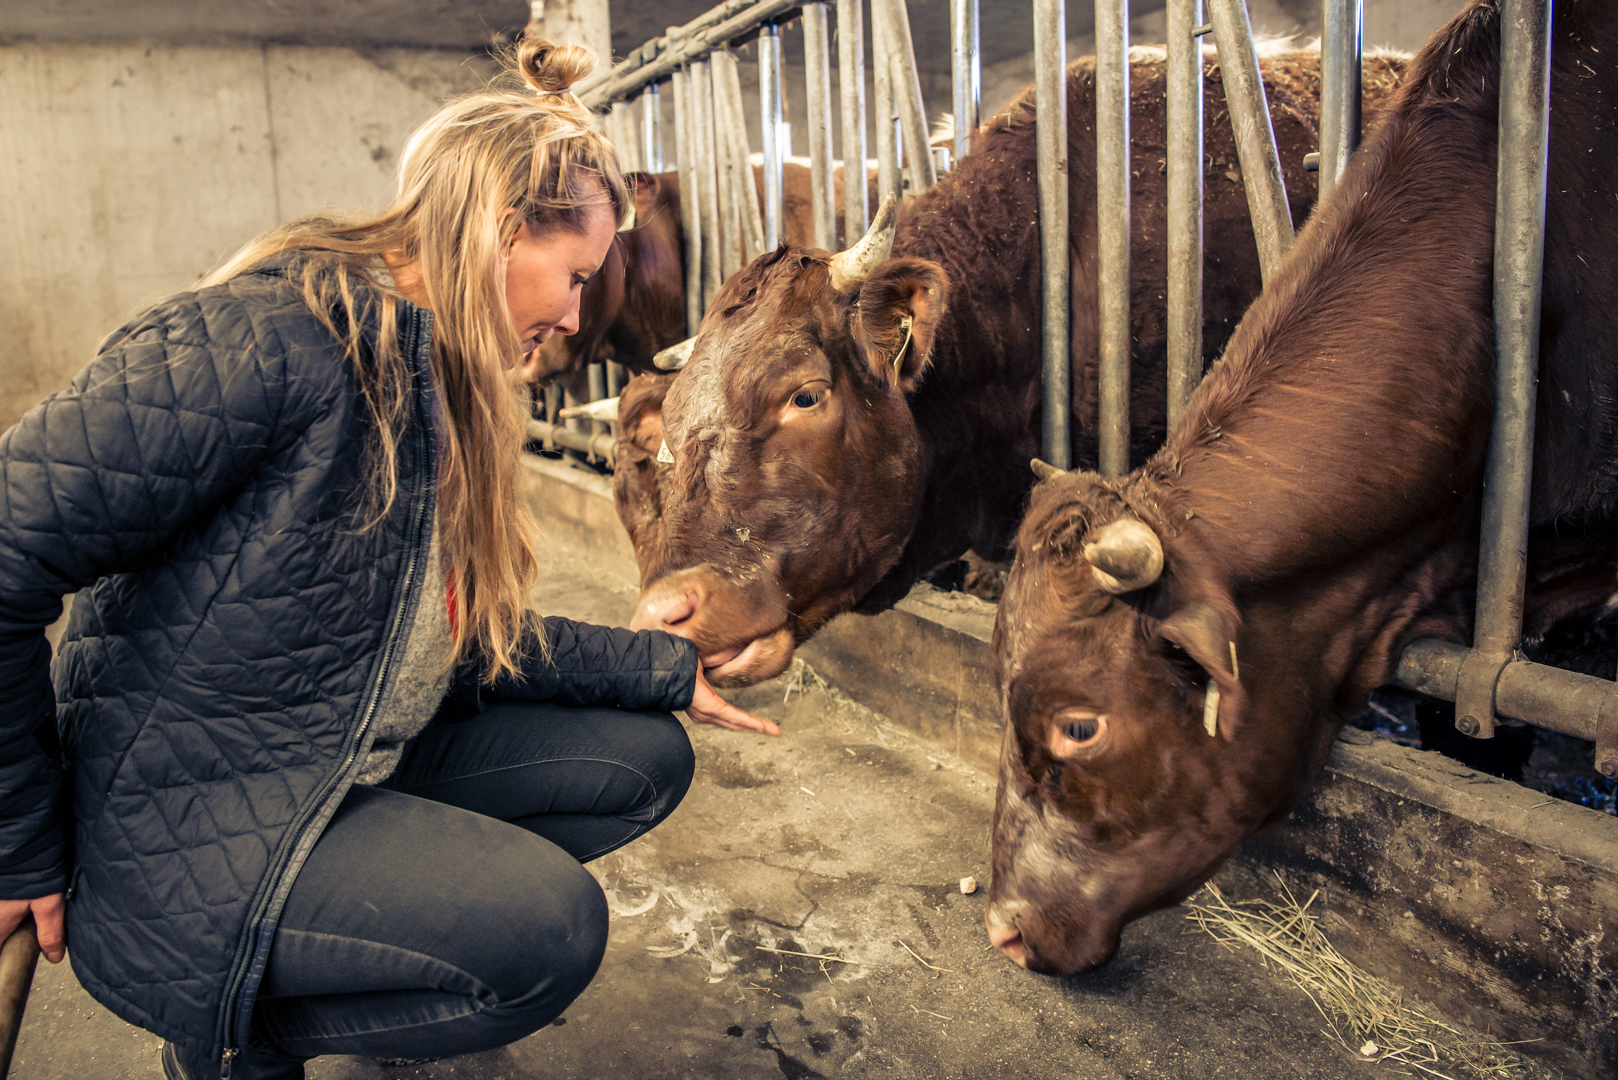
(806, 399)
(1073, 730)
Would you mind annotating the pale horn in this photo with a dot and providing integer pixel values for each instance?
(605, 409)
(674, 357)
(1044, 470)
(1126, 555)
(850, 268)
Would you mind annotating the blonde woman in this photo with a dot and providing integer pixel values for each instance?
(312, 779)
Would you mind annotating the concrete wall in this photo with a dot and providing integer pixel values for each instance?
(130, 170)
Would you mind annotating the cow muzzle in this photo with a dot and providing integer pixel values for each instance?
(740, 632)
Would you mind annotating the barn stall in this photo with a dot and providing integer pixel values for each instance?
(811, 874)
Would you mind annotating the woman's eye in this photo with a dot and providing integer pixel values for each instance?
(805, 399)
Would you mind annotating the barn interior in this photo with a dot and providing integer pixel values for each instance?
(804, 914)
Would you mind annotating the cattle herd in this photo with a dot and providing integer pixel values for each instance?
(1177, 648)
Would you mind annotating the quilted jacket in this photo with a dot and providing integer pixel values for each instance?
(200, 483)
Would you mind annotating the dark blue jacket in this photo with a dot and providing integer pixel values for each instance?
(201, 482)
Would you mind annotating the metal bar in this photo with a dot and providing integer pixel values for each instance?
(731, 172)
(966, 73)
(817, 85)
(851, 88)
(1342, 44)
(553, 405)
(685, 150)
(1185, 178)
(707, 179)
(569, 400)
(1519, 256)
(1112, 231)
(769, 100)
(887, 143)
(1050, 108)
(597, 376)
(657, 59)
(1547, 697)
(603, 446)
(616, 377)
(651, 130)
(728, 92)
(1255, 136)
(894, 17)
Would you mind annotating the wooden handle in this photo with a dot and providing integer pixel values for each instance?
(18, 956)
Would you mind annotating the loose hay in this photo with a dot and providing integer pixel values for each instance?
(1361, 1011)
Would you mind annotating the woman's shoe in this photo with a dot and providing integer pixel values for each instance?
(248, 1065)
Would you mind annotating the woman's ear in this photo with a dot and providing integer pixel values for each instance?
(899, 310)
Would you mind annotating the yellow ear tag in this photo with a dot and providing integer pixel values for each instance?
(904, 322)
(1210, 708)
(628, 224)
(663, 455)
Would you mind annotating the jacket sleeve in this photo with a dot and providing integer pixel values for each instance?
(605, 665)
(173, 415)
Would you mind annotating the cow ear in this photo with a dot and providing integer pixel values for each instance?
(900, 307)
(1208, 636)
(640, 416)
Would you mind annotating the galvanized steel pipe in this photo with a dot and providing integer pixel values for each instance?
(769, 100)
(707, 179)
(817, 87)
(1519, 256)
(651, 116)
(906, 83)
(685, 150)
(966, 73)
(1538, 694)
(603, 446)
(851, 89)
(1050, 107)
(1112, 231)
(731, 166)
(1342, 45)
(888, 181)
(1255, 136)
(728, 99)
(1185, 180)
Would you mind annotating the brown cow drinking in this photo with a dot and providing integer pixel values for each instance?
(839, 433)
(1178, 649)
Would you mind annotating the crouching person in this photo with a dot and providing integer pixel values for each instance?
(313, 779)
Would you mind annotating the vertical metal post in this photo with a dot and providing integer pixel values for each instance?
(817, 85)
(1112, 231)
(597, 375)
(905, 81)
(769, 99)
(685, 149)
(965, 70)
(1185, 177)
(1255, 136)
(887, 143)
(553, 405)
(568, 402)
(651, 116)
(707, 179)
(732, 173)
(1519, 256)
(1342, 44)
(728, 96)
(851, 88)
(1050, 108)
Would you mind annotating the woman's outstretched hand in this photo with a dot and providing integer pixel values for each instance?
(48, 922)
(707, 707)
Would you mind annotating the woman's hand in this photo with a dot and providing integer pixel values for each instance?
(48, 921)
(707, 707)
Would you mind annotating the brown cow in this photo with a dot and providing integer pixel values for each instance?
(1178, 649)
(824, 462)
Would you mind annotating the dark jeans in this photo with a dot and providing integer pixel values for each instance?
(446, 911)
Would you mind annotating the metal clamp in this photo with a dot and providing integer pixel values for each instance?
(1607, 736)
(1474, 693)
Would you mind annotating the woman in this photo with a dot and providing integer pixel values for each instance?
(328, 783)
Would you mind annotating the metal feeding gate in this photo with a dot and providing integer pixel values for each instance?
(725, 228)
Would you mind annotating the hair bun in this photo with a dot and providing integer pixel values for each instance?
(551, 68)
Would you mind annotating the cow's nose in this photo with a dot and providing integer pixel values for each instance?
(665, 611)
(1001, 921)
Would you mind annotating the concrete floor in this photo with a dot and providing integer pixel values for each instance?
(847, 836)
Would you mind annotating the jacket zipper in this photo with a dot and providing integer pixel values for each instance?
(324, 804)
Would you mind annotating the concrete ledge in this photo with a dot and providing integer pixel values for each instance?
(1481, 896)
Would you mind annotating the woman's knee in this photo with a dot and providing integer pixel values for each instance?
(551, 941)
(667, 744)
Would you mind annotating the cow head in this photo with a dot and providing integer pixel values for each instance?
(1132, 764)
(790, 464)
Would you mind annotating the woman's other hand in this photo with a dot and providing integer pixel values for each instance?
(707, 707)
(48, 920)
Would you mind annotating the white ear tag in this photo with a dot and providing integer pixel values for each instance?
(663, 455)
(1210, 708)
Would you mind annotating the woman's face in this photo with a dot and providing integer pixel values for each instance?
(545, 272)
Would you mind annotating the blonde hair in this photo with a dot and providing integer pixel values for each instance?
(469, 178)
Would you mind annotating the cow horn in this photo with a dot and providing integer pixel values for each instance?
(1045, 470)
(604, 409)
(850, 268)
(674, 357)
(1126, 554)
